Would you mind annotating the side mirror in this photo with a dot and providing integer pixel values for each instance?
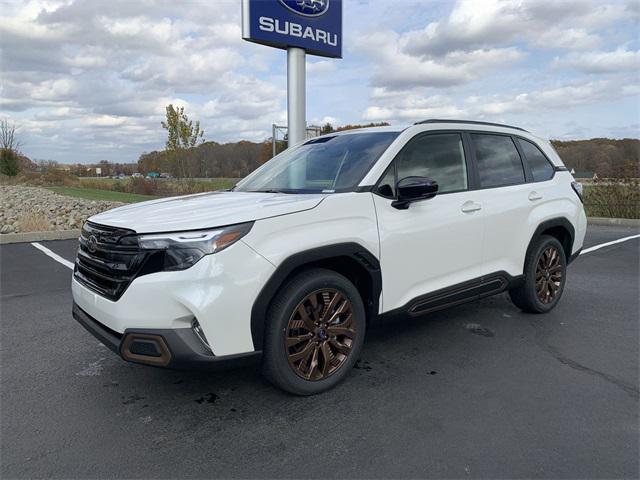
(413, 189)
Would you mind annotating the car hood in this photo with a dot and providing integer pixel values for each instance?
(205, 210)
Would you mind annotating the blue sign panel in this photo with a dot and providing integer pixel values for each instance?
(315, 25)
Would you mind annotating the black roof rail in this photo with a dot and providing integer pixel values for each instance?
(474, 122)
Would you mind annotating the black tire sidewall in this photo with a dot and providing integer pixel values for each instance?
(276, 364)
(543, 243)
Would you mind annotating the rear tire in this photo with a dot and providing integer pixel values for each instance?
(314, 332)
(545, 274)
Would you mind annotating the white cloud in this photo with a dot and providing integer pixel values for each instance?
(84, 79)
(105, 121)
(619, 60)
(409, 107)
(324, 120)
(480, 37)
(396, 69)
(98, 76)
(566, 38)
(476, 24)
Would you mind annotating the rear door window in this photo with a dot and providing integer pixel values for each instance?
(541, 168)
(499, 163)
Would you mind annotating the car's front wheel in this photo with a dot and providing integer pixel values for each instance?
(314, 332)
(545, 275)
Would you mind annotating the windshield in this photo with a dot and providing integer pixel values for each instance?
(327, 164)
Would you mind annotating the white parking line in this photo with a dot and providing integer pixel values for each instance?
(597, 247)
(53, 255)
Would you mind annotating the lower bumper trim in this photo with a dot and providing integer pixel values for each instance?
(179, 348)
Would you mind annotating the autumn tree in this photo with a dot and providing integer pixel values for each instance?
(9, 145)
(182, 134)
(327, 128)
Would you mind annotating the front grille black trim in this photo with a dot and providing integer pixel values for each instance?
(110, 261)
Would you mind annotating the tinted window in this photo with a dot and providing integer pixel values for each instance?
(538, 163)
(498, 160)
(439, 157)
(387, 185)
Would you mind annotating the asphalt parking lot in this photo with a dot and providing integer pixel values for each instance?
(480, 390)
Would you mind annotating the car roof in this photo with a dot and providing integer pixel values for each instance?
(450, 124)
(389, 128)
(439, 124)
(467, 122)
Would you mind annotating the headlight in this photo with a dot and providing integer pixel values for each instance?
(178, 251)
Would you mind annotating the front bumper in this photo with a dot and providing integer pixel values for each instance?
(218, 291)
(177, 348)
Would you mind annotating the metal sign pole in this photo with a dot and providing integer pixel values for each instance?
(296, 95)
(273, 140)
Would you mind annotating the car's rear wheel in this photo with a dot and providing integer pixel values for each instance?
(545, 275)
(314, 333)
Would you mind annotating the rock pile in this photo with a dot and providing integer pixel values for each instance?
(31, 209)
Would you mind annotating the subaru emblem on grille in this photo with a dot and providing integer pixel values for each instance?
(92, 243)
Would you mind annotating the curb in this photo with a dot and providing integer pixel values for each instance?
(39, 236)
(619, 222)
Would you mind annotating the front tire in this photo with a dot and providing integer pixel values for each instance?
(545, 275)
(314, 333)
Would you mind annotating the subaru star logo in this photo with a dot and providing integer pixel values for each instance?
(92, 243)
(308, 8)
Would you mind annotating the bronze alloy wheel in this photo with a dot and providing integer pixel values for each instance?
(320, 334)
(548, 275)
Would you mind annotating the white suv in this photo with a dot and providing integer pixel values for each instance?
(291, 264)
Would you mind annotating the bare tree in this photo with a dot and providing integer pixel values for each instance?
(9, 146)
(8, 140)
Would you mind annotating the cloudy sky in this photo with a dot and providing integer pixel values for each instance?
(87, 80)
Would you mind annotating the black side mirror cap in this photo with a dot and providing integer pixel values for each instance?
(413, 189)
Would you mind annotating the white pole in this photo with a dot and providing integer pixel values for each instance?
(296, 95)
(273, 140)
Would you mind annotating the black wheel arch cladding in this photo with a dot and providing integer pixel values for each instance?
(560, 228)
(350, 259)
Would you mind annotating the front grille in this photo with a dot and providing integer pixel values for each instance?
(108, 259)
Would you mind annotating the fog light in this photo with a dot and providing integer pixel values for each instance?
(197, 329)
(145, 348)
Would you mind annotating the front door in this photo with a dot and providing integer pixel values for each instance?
(435, 243)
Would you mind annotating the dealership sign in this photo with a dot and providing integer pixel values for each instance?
(314, 25)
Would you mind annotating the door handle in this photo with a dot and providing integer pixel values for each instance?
(468, 207)
(533, 196)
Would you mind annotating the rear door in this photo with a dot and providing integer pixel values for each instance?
(506, 199)
(435, 243)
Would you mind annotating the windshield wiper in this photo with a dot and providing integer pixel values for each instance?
(270, 190)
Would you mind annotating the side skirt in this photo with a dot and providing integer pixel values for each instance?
(469, 291)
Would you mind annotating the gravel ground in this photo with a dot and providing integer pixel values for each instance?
(31, 209)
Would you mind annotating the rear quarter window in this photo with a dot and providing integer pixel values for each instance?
(540, 166)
